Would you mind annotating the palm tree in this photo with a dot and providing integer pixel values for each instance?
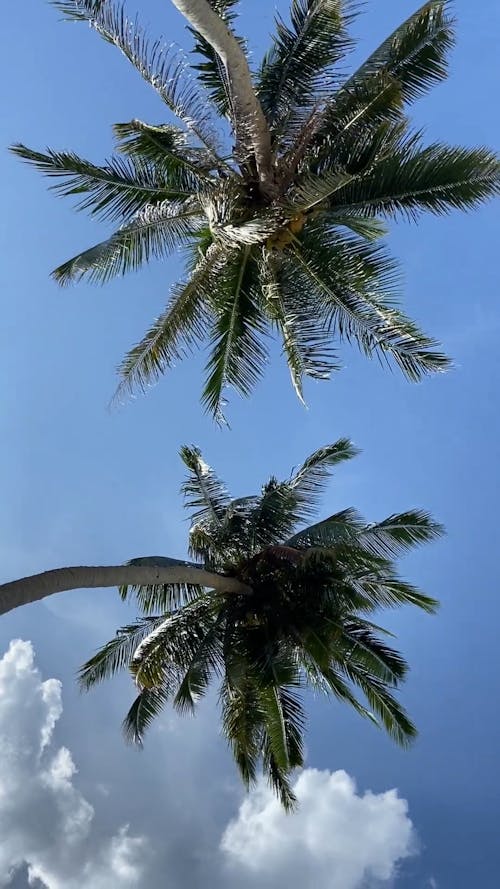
(302, 620)
(280, 223)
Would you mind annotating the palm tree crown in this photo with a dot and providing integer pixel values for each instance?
(297, 252)
(305, 622)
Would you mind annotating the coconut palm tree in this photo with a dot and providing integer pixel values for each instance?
(304, 617)
(277, 187)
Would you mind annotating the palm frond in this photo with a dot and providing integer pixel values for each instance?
(309, 480)
(206, 661)
(356, 280)
(438, 178)
(168, 149)
(242, 725)
(292, 312)
(390, 712)
(175, 332)
(272, 516)
(159, 64)
(416, 53)
(389, 539)
(298, 69)
(399, 533)
(358, 643)
(344, 526)
(147, 707)
(154, 233)
(404, 67)
(368, 228)
(284, 721)
(116, 654)
(118, 190)
(279, 779)
(331, 682)
(172, 646)
(375, 584)
(203, 491)
(237, 352)
(345, 162)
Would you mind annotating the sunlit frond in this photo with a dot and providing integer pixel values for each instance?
(162, 66)
(356, 282)
(117, 190)
(116, 654)
(203, 491)
(154, 233)
(176, 331)
(298, 70)
(237, 350)
(309, 480)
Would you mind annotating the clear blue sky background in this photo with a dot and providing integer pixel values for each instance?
(82, 485)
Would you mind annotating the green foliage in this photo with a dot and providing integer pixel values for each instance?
(305, 625)
(301, 259)
(298, 67)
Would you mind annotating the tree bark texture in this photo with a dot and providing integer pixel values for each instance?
(203, 18)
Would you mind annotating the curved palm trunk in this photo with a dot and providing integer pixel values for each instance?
(38, 586)
(249, 115)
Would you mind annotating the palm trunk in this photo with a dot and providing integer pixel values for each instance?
(38, 586)
(250, 118)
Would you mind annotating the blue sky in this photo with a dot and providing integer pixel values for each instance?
(81, 484)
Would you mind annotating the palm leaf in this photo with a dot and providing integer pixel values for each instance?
(405, 66)
(309, 480)
(175, 332)
(242, 725)
(116, 654)
(279, 779)
(167, 148)
(272, 515)
(416, 53)
(330, 681)
(146, 708)
(438, 178)
(356, 642)
(206, 661)
(292, 312)
(155, 233)
(344, 526)
(118, 190)
(203, 490)
(392, 715)
(347, 161)
(389, 539)
(375, 584)
(399, 533)
(171, 647)
(237, 353)
(297, 70)
(356, 282)
(165, 70)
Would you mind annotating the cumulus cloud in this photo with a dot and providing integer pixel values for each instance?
(51, 834)
(337, 839)
(45, 821)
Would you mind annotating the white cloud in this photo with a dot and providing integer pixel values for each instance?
(45, 822)
(336, 840)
